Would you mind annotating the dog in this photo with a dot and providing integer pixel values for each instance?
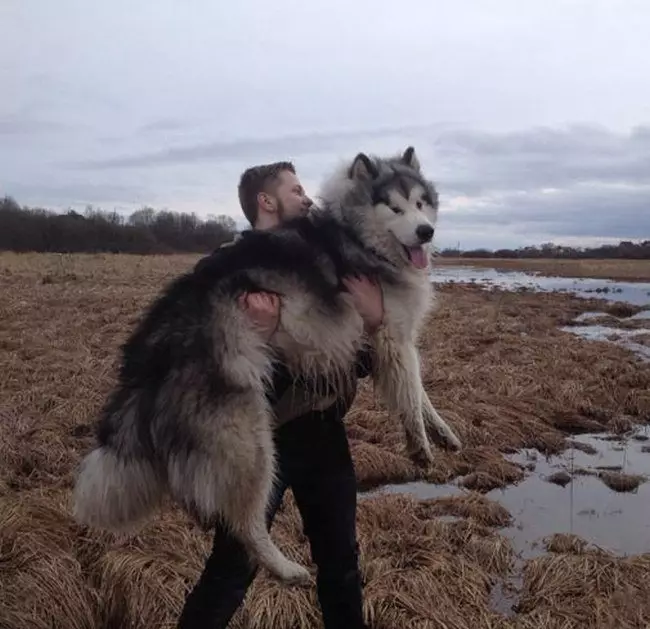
(190, 416)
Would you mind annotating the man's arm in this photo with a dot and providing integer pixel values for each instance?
(367, 297)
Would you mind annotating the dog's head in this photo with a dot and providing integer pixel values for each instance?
(400, 202)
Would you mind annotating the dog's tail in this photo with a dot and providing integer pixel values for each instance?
(118, 483)
(115, 493)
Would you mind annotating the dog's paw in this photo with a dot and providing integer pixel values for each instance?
(293, 574)
(422, 457)
(452, 442)
(445, 439)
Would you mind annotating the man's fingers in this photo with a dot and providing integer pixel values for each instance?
(264, 301)
(351, 282)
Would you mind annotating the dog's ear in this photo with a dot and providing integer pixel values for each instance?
(363, 168)
(411, 159)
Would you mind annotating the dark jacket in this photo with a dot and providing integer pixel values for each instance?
(291, 398)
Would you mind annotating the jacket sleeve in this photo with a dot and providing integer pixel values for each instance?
(282, 379)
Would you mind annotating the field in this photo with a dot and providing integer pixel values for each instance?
(496, 365)
(626, 270)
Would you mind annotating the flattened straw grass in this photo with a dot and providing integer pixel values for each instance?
(496, 367)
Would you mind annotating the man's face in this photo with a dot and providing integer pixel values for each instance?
(291, 198)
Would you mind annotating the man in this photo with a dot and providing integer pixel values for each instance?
(312, 449)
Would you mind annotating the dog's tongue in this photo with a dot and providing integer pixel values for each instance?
(418, 257)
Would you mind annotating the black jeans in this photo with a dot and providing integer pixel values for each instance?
(314, 460)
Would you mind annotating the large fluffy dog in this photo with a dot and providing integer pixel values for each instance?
(190, 415)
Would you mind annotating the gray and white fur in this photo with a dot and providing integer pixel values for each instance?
(192, 412)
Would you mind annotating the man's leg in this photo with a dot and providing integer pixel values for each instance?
(321, 474)
(226, 577)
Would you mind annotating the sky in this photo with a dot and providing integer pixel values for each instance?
(532, 118)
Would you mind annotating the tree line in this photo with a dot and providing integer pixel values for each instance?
(145, 231)
(625, 249)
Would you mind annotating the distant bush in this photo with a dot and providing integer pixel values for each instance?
(146, 231)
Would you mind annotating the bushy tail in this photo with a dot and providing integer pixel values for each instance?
(114, 493)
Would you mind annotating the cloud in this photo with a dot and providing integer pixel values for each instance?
(530, 125)
(162, 126)
(479, 162)
(497, 189)
(25, 125)
(252, 149)
(588, 210)
(542, 184)
(58, 196)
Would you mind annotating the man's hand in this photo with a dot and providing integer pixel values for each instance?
(264, 311)
(368, 299)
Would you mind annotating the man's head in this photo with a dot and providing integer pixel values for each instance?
(272, 193)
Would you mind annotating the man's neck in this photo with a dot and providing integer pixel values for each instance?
(266, 221)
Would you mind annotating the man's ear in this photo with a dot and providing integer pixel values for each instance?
(411, 159)
(265, 201)
(363, 168)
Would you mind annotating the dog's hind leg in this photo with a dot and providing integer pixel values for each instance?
(438, 430)
(229, 476)
(245, 499)
(397, 378)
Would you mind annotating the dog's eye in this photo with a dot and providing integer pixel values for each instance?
(418, 205)
(397, 210)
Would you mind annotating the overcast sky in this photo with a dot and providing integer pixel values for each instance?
(532, 117)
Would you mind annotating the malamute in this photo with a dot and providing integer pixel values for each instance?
(189, 415)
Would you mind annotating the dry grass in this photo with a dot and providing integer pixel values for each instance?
(495, 365)
(617, 481)
(575, 586)
(627, 270)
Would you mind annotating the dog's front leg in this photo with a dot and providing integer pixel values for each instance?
(438, 430)
(396, 375)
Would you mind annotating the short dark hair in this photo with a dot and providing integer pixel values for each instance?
(258, 179)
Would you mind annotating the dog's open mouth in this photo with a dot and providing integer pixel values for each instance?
(417, 256)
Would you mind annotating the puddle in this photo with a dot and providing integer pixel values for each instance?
(618, 336)
(635, 293)
(418, 489)
(582, 505)
(644, 315)
(618, 522)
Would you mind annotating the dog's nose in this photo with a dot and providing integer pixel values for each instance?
(424, 233)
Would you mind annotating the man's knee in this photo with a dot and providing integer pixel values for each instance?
(335, 557)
